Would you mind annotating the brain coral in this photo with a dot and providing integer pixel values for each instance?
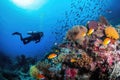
(111, 32)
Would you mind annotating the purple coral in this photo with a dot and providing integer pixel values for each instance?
(92, 25)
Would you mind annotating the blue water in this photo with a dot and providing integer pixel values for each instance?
(55, 16)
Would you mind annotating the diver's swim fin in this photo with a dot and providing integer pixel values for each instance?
(16, 33)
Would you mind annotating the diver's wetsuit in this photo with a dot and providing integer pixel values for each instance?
(33, 37)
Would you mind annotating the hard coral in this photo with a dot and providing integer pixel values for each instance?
(100, 31)
(84, 60)
(92, 25)
(43, 64)
(61, 57)
(111, 32)
(71, 73)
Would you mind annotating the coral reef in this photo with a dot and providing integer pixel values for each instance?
(87, 53)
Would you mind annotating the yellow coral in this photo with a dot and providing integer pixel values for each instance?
(111, 32)
(34, 71)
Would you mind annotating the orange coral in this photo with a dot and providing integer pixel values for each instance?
(111, 32)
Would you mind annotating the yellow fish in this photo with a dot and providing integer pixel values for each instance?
(106, 41)
(90, 32)
(83, 34)
(51, 56)
(73, 60)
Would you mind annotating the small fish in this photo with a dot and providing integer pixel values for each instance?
(106, 41)
(108, 11)
(83, 34)
(73, 60)
(40, 76)
(51, 56)
(90, 32)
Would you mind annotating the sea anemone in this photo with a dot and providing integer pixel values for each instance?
(111, 33)
(82, 32)
(77, 32)
(72, 33)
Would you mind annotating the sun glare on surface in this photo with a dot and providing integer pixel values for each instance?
(29, 4)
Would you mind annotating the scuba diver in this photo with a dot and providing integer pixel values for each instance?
(34, 36)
